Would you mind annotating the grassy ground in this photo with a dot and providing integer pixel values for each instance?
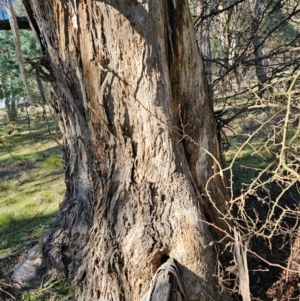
(31, 188)
(266, 203)
(248, 156)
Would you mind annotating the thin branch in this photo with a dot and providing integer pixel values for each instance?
(15, 30)
(250, 251)
(22, 24)
(7, 293)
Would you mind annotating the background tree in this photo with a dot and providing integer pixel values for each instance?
(11, 109)
(11, 84)
(264, 122)
(263, 42)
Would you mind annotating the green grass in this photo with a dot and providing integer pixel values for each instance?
(249, 158)
(31, 189)
(4, 186)
(49, 292)
(53, 162)
(6, 219)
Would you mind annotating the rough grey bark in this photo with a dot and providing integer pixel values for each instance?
(137, 123)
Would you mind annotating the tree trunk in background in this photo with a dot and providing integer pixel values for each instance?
(204, 40)
(256, 42)
(16, 35)
(137, 121)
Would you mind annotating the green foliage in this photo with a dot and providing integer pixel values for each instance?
(286, 31)
(10, 79)
(11, 84)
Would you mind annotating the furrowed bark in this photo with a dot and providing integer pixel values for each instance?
(137, 119)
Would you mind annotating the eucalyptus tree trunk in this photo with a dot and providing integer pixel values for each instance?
(16, 35)
(140, 145)
(204, 40)
(227, 43)
(256, 42)
(224, 34)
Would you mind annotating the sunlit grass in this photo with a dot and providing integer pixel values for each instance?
(5, 186)
(48, 294)
(248, 158)
(6, 218)
(31, 189)
(54, 161)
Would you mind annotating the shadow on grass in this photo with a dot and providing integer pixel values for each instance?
(16, 233)
(24, 137)
(14, 167)
(52, 175)
(17, 237)
(33, 155)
